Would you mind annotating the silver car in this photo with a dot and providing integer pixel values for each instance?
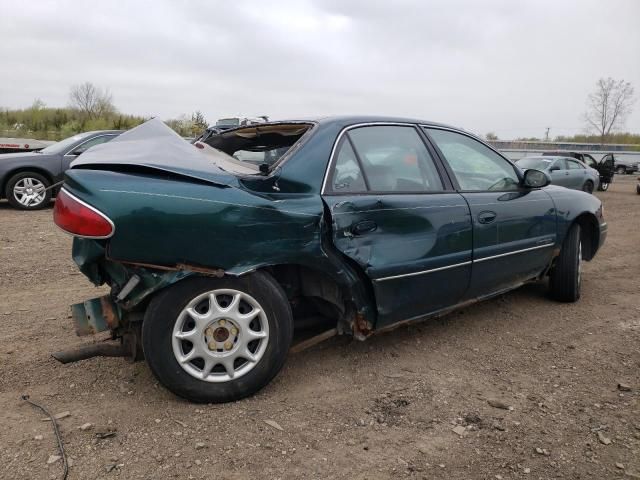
(564, 171)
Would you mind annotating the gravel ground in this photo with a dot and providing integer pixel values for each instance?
(419, 402)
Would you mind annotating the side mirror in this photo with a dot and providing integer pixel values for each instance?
(535, 179)
(555, 168)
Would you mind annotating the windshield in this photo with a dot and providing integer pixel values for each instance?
(63, 145)
(537, 163)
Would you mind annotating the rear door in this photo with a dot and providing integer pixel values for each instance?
(577, 174)
(395, 214)
(606, 167)
(560, 173)
(514, 229)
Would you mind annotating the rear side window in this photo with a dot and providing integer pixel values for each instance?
(91, 143)
(395, 159)
(475, 166)
(347, 175)
(574, 165)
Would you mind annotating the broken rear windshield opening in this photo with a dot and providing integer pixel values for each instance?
(258, 144)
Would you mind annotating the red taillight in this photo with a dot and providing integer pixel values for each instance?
(78, 218)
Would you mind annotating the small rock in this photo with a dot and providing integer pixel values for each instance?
(620, 465)
(157, 420)
(539, 451)
(53, 459)
(274, 424)
(527, 470)
(623, 387)
(9, 352)
(200, 445)
(198, 462)
(499, 404)
(460, 430)
(38, 437)
(498, 477)
(85, 426)
(603, 439)
(441, 465)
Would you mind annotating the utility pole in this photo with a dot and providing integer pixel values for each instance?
(546, 135)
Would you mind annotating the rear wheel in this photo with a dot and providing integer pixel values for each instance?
(621, 170)
(588, 186)
(566, 276)
(28, 191)
(604, 186)
(218, 339)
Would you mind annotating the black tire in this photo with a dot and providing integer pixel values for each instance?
(11, 193)
(588, 186)
(162, 314)
(638, 189)
(565, 278)
(621, 170)
(604, 186)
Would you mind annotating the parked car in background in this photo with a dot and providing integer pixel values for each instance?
(25, 178)
(605, 166)
(364, 222)
(625, 166)
(564, 171)
(224, 124)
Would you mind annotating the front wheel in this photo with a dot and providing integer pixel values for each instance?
(566, 276)
(218, 340)
(621, 170)
(588, 186)
(28, 191)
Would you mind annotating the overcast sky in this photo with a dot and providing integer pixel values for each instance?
(511, 67)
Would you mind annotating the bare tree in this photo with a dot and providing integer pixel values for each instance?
(91, 100)
(491, 137)
(608, 106)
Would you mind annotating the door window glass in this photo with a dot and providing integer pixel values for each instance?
(395, 159)
(347, 176)
(91, 143)
(475, 166)
(559, 164)
(574, 165)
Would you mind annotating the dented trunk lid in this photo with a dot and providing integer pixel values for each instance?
(153, 146)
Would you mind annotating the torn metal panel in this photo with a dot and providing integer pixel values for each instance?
(95, 315)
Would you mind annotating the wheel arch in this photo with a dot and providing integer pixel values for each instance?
(345, 294)
(589, 234)
(10, 174)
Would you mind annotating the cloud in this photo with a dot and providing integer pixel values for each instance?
(514, 68)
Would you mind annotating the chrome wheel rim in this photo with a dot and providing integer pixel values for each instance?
(29, 191)
(220, 335)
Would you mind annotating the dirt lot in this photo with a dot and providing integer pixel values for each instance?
(379, 409)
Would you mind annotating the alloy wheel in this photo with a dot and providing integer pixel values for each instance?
(220, 335)
(29, 191)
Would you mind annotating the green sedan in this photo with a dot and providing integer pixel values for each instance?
(216, 252)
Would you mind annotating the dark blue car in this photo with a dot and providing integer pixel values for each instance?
(25, 178)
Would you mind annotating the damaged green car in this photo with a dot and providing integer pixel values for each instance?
(216, 252)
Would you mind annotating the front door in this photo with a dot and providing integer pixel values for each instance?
(514, 229)
(560, 173)
(606, 167)
(394, 213)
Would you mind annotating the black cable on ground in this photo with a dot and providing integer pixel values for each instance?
(56, 431)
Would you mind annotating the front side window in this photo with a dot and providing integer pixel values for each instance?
(395, 159)
(91, 143)
(475, 166)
